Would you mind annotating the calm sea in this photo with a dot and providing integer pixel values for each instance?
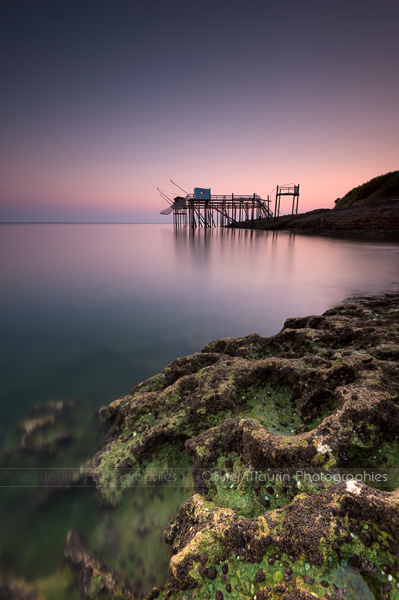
(88, 311)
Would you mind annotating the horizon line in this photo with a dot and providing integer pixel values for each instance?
(82, 223)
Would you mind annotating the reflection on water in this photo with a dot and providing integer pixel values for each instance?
(89, 311)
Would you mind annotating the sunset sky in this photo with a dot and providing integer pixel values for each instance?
(102, 101)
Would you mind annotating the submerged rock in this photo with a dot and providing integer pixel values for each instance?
(17, 589)
(40, 433)
(287, 440)
(96, 580)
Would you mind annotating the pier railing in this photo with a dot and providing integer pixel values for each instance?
(219, 210)
(222, 197)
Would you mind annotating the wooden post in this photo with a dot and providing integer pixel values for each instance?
(275, 205)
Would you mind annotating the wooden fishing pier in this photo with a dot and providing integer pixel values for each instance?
(203, 209)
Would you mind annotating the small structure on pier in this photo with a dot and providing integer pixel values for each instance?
(287, 190)
(203, 209)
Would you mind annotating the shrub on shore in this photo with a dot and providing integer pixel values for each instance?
(383, 187)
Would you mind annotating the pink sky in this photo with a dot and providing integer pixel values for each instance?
(99, 112)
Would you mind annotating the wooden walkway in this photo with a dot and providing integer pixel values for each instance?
(217, 210)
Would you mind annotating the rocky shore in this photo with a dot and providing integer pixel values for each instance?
(378, 222)
(285, 453)
(292, 443)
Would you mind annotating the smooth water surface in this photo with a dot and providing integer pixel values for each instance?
(88, 311)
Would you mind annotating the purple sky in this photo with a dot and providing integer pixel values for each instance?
(104, 101)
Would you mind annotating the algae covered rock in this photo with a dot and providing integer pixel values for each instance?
(17, 589)
(40, 433)
(95, 578)
(288, 448)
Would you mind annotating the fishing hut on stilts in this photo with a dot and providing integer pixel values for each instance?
(204, 209)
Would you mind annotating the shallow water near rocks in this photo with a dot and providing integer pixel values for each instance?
(355, 585)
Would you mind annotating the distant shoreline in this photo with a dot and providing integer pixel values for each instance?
(378, 222)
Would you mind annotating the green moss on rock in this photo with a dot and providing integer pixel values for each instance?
(274, 434)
